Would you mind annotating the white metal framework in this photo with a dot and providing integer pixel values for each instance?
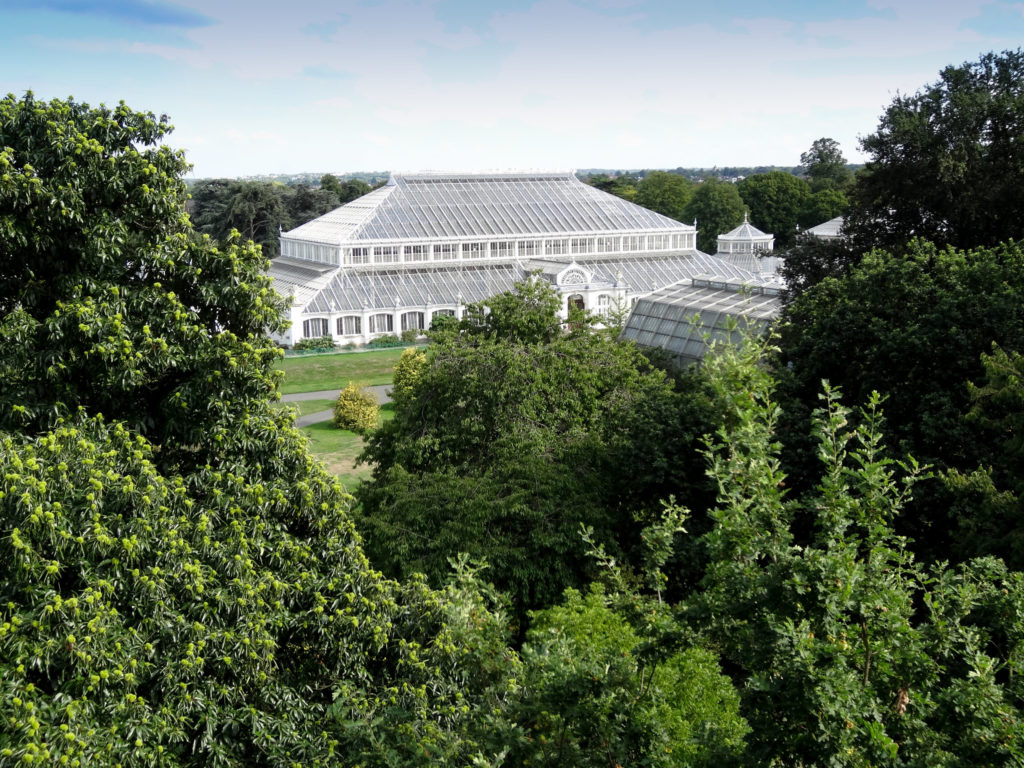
(427, 244)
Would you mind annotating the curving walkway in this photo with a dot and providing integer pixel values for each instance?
(382, 391)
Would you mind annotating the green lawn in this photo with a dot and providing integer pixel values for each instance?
(311, 374)
(338, 448)
(305, 407)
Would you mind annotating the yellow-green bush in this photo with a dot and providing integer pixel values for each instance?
(356, 409)
(407, 371)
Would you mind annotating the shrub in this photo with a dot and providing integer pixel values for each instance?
(387, 340)
(409, 335)
(407, 371)
(356, 409)
(323, 342)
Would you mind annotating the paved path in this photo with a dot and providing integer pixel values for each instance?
(382, 391)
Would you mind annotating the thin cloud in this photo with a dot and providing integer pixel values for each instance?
(132, 11)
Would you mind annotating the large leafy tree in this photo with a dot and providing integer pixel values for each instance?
(825, 166)
(717, 207)
(666, 193)
(914, 327)
(179, 580)
(776, 201)
(511, 435)
(847, 652)
(946, 162)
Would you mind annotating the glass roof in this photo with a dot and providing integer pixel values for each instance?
(449, 206)
(684, 318)
(352, 290)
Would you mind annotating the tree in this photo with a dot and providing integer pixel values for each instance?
(305, 203)
(592, 697)
(846, 651)
(945, 162)
(717, 207)
(914, 326)
(665, 193)
(510, 436)
(823, 205)
(345, 191)
(180, 582)
(776, 201)
(825, 166)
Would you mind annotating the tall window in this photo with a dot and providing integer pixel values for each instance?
(555, 247)
(582, 245)
(315, 327)
(350, 325)
(412, 321)
(445, 251)
(474, 250)
(529, 247)
(382, 324)
(501, 249)
(417, 252)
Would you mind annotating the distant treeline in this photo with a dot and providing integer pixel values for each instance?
(261, 210)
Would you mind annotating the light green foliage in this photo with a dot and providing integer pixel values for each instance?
(407, 371)
(356, 409)
(666, 193)
(179, 581)
(717, 207)
(865, 657)
(592, 697)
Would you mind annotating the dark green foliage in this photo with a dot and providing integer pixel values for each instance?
(809, 261)
(666, 193)
(512, 435)
(623, 185)
(320, 342)
(528, 314)
(387, 340)
(945, 162)
(718, 208)
(825, 166)
(915, 327)
(776, 201)
(344, 191)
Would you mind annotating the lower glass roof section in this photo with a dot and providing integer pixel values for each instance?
(353, 289)
(683, 319)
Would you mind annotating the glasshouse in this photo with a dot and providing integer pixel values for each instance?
(683, 319)
(428, 244)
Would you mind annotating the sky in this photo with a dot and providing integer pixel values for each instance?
(297, 86)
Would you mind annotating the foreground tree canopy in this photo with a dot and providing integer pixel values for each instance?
(511, 435)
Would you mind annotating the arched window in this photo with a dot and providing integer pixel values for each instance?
(443, 312)
(382, 324)
(412, 321)
(315, 327)
(350, 325)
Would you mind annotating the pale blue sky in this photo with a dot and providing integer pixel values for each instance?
(342, 85)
